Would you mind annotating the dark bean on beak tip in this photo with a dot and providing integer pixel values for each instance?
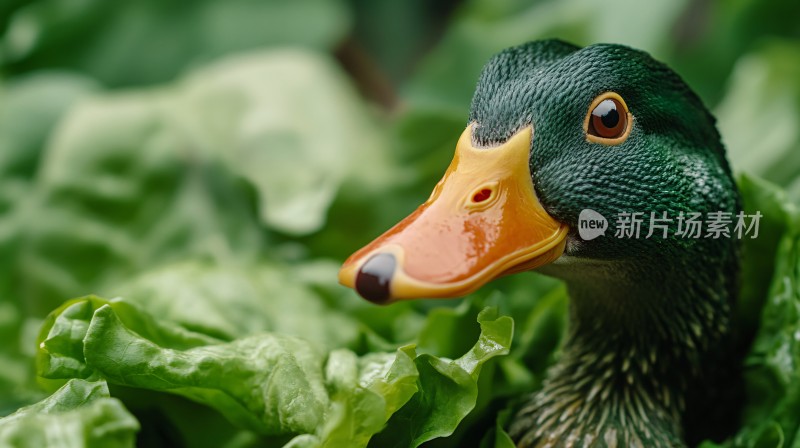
(374, 278)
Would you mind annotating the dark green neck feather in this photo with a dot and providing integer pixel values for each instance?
(635, 351)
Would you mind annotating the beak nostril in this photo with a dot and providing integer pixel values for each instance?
(482, 195)
(374, 278)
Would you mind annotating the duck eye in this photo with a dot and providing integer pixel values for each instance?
(608, 120)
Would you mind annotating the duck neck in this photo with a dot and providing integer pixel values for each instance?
(636, 342)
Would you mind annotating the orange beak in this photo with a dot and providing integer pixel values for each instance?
(483, 220)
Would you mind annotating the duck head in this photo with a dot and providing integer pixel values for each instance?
(555, 130)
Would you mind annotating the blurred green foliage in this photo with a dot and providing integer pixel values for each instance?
(151, 41)
(212, 162)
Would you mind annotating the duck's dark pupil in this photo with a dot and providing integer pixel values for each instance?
(607, 111)
(610, 119)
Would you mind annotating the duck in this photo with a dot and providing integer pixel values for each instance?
(555, 133)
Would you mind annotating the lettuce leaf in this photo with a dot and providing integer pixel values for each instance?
(201, 169)
(764, 94)
(270, 383)
(30, 108)
(237, 300)
(772, 367)
(79, 414)
(448, 389)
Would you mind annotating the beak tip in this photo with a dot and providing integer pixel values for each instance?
(374, 278)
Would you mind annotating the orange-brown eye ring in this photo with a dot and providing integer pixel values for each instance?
(608, 121)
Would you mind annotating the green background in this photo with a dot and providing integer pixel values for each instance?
(212, 162)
